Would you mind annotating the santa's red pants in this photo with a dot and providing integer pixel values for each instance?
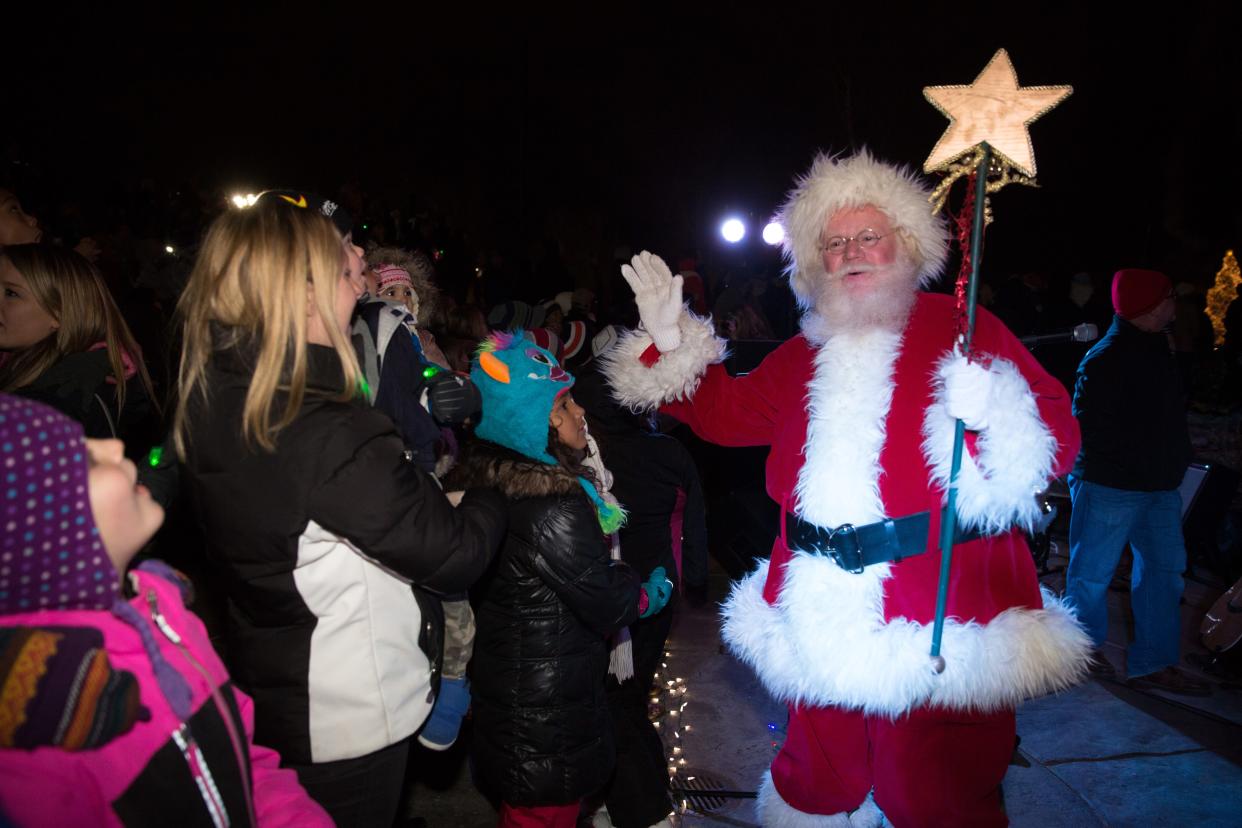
(928, 767)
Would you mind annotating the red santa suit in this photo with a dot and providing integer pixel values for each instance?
(859, 433)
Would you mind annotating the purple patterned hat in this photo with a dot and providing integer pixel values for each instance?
(51, 556)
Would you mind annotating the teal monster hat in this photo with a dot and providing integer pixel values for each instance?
(519, 383)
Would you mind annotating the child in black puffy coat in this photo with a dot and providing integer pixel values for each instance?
(543, 738)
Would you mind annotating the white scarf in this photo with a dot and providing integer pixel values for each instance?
(621, 656)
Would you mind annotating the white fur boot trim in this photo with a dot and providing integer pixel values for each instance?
(868, 814)
(775, 812)
(675, 376)
(601, 818)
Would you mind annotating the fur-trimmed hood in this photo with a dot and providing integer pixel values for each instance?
(487, 465)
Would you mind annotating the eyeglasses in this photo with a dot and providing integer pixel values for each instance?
(866, 238)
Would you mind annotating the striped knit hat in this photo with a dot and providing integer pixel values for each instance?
(387, 274)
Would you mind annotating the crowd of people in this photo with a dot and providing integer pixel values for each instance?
(407, 503)
(393, 542)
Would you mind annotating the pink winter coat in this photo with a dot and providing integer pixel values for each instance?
(206, 771)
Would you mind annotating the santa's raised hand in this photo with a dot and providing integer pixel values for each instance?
(657, 292)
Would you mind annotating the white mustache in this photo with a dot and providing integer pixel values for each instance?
(861, 267)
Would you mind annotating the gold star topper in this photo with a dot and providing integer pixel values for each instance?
(992, 109)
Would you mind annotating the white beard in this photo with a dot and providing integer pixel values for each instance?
(882, 305)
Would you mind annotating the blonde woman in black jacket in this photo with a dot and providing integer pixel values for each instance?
(325, 534)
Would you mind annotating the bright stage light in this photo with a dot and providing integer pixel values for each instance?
(246, 200)
(733, 230)
(773, 233)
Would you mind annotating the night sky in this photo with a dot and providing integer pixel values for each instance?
(606, 129)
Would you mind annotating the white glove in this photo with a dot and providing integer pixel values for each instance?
(967, 392)
(657, 292)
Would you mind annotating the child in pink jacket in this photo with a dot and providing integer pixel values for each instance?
(114, 708)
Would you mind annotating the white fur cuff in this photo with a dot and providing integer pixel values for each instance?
(997, 488)
(675, 376)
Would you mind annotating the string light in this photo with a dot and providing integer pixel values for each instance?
(666, 712)
(776, 735)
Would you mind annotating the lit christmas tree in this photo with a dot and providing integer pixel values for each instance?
(1222, 293)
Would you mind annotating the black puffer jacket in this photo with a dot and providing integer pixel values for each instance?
(542, 731)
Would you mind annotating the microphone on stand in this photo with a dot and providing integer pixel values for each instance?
(1086, 332)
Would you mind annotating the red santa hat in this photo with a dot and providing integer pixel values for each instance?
(835, 183)
(1135, 291)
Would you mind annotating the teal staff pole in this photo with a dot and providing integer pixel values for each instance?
(948, 520)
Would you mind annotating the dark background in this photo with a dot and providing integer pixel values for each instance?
(605, 130)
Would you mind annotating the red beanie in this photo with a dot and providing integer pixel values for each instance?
(1135, 292)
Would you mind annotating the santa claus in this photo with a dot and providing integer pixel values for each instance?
(859, 410)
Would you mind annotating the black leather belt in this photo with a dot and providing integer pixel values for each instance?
(855, 547)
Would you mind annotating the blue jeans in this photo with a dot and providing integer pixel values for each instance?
(1103, 520)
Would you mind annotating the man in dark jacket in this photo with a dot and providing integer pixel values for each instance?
(1135, 449)
(655, 479)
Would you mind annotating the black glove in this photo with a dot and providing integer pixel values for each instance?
(452, 397)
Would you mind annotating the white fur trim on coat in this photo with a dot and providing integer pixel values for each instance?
(675, 376)
(774, 812)
(835, 183)
(826, 642)
(847, 407)
(995, 489)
